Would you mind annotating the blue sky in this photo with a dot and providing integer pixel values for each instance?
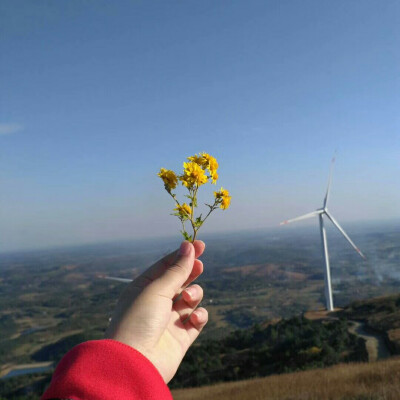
(96, 96)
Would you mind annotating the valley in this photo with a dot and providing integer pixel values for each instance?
(51, 300)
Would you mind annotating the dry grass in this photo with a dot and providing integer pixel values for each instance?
(367, 381)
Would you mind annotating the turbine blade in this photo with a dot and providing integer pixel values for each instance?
(305, 216)
(334, 222)
(329, 180)
(114, 278)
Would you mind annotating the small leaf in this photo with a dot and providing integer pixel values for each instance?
(186, 236)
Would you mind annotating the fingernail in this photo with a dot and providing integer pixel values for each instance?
(190, 292)
(185, 249)
(200, 314)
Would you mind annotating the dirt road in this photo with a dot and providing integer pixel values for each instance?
(374, 342)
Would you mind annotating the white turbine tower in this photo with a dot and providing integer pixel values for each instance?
(320, 213)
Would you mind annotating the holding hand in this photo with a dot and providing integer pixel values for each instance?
(157, 312)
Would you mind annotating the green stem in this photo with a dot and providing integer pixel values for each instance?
(176, 201)
(214, 207)
(193, 194)
(183, 226)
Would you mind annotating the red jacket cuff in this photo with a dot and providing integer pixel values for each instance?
(106, 370)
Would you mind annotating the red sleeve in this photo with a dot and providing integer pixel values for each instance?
(106, 370)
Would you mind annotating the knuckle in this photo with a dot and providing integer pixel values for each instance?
(178, 268)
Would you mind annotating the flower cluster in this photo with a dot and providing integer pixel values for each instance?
(222, 197)
(169, 178)
(200, 169)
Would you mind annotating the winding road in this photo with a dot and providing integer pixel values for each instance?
(374, 342)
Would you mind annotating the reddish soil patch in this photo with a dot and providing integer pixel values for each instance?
(323, 314)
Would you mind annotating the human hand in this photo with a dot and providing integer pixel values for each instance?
(157, 313)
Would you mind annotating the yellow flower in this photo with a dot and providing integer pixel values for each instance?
(199, 160)
(226, 201)
(193, 175)
(205, 161)
(222, 193)
(214, 177)
(211, 163)
(223, 198)
(169, 178)
(184, 210)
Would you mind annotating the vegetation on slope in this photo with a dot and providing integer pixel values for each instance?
(289, 345)
(57, 350)
(26, 387)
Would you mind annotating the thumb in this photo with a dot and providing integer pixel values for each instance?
(176, 274)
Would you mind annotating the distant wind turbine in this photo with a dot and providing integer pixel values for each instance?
(114, 278)
(321, 212)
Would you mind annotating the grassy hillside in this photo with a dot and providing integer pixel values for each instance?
(364, 381)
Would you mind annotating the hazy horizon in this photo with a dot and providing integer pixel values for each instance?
(309, 227)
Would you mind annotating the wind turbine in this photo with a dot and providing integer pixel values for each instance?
(320, 213)
(114, 278)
